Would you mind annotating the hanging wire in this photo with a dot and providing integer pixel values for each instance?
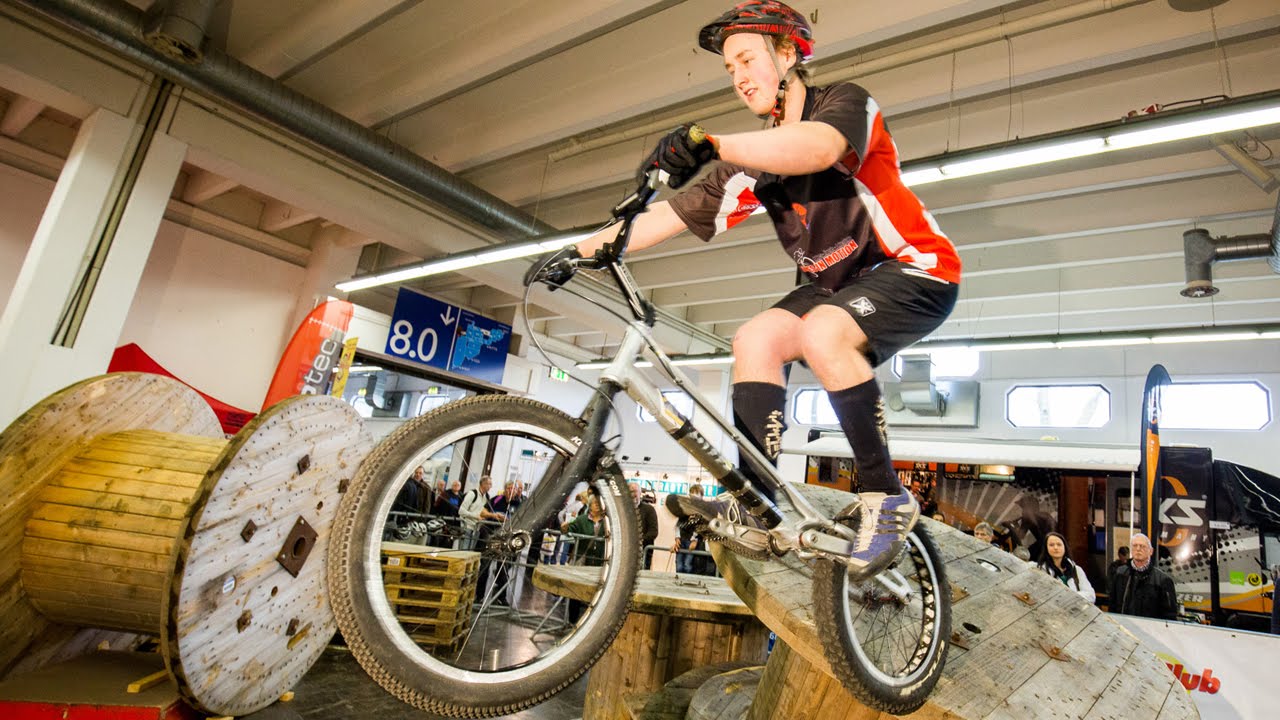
(1224, 68)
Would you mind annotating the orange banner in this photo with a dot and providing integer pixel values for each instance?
(307, 365)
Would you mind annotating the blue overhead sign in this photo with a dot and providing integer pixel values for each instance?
(443, 336)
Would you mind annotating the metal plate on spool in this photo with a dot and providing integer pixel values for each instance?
(233, 634)
(36, 445)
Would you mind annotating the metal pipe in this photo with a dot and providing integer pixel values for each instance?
(943, 46)
(1200, 251)
(179, 30)
(119, 26)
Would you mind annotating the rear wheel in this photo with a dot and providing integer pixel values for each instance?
(887, 637)
(473, 635)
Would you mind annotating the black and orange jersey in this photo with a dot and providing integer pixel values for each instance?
(838, 222)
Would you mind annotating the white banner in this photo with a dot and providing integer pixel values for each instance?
(1228, 673)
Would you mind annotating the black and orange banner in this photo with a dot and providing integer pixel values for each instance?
(1149, 460)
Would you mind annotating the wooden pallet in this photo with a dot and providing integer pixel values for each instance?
(429, 596)
(436, 631)
(432, 611)
(458, 563)
(426, 577)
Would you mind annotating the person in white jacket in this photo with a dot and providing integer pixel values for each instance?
(1056, 562)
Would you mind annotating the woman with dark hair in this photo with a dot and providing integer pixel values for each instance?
(1057, 563)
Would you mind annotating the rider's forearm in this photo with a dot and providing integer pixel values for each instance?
(798, 149)
(655, 225)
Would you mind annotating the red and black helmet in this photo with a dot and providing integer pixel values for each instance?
(761, 17)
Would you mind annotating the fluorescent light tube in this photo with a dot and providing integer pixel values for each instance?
(1195, 128)
(1023, 158)
(453, 263)
(1103, 342)
(1204, 337)
(1030, 345)
(922, 176)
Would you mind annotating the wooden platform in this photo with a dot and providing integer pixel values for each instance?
(1023, 644)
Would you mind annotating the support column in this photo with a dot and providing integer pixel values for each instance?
(69, 303)
(335, 253)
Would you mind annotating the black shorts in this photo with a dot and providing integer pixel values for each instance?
(893, 303)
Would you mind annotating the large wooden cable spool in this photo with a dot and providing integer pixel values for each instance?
(216, 546)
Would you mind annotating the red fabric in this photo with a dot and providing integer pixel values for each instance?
(131, 358)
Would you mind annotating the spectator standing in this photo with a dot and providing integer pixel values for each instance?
(648, 524)
(475, 509)
(687, 541)
(1057, 563)
(984, 532)
(1140, 588)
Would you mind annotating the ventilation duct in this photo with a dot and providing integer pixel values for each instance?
(119, 26)
(916, 392)
(1200, 251)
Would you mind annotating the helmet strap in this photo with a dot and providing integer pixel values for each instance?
(775, 117)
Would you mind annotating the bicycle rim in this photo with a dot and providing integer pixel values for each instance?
(887, 648)
(471, 634)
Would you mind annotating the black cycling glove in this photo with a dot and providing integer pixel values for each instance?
(555, 268)
(682, 153)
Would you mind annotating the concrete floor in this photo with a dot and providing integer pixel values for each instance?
(337, 688)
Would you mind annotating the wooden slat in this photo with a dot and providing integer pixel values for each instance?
(138, 457)
(127, 504)
(149, 588)
(133, 480)
(105, 573)
(100, 537)
(114, 557)
(91, 517)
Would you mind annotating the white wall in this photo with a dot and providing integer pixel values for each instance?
(1122, 371)
(22, 200)
(213, 313)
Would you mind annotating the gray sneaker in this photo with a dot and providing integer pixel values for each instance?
(881, 533)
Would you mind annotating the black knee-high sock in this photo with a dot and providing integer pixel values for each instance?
(860, 410)
(759, 412)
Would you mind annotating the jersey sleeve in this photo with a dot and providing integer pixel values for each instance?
(724, 198)
(852, 111)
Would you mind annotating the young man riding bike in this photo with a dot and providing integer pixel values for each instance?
(882, 275)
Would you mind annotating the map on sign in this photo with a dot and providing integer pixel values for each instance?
(480, 347)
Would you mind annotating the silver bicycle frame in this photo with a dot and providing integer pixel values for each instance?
(637, 342)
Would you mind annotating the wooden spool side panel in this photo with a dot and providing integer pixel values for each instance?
(226, 634)
(41, 440)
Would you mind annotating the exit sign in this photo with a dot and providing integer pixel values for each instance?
(557, 374)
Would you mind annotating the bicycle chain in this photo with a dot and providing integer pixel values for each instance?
(731, 544)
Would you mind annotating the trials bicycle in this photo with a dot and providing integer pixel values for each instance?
(886, 636)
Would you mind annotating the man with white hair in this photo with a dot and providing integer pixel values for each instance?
(1140, 588)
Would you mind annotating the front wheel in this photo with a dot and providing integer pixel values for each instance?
(887, 637)
(467, 633)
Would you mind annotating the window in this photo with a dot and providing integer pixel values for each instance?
(1058, 406)
(1215, 406)
(947, 363)
(811, 406)
(678, 399)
